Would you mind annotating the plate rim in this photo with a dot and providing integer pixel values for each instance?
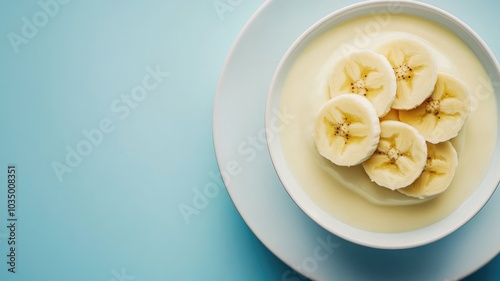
(219, 161)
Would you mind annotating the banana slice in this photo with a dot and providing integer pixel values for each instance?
(347, 130)
(441, 116)
(367, 74)
(438, 173)
(415, 68)
(400, 157)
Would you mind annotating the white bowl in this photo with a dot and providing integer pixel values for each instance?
(399, 240)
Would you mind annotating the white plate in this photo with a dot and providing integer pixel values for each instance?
(239, 137)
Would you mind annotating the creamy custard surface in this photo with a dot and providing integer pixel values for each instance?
(333, 188)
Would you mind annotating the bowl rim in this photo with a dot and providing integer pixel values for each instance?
(398, 240)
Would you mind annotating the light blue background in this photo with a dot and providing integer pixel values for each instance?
(118, 210)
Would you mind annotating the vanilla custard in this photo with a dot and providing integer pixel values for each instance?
(347, 193)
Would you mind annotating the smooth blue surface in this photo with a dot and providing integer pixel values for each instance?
(117, 214)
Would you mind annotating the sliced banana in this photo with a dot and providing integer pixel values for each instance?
(415, 68)
(347, 130)
(365, 73)
(400, 156)
(438, 173)
(441, 116)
